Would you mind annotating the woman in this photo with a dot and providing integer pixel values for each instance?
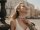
(19, 21)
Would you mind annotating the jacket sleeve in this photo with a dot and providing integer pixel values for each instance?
(32, 26)
(5, 27)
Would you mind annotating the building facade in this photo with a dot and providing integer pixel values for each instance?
(32, 11)
(10, 5)
(28, 6)
(37, 13)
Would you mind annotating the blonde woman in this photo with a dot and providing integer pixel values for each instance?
(19, 21)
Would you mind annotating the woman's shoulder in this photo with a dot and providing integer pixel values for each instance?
(13, 21)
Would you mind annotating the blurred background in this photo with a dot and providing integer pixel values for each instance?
(33, 10)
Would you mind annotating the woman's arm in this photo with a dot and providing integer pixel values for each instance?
(12, 24)
(26, 21)
(30, 25)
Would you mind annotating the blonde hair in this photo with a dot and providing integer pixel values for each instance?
(17, 8)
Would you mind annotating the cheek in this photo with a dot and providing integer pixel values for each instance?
(21, 8)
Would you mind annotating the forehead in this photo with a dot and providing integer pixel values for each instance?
(22, 5)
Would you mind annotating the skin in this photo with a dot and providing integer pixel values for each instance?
(23, 22)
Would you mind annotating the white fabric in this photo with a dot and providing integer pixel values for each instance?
(18, 27)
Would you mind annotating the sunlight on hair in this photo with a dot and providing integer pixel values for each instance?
(11, 16)
(18, 5)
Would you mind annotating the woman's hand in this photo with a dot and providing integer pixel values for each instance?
(26, 21)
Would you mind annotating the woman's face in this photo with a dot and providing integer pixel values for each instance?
(23, 8)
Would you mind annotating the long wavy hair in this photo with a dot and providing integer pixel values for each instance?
(17, 13)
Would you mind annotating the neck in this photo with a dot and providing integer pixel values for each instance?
(22, 15)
